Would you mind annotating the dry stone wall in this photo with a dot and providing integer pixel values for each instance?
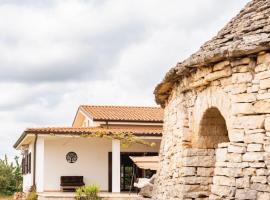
(202, 157)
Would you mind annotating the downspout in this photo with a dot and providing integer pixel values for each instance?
(34, 164)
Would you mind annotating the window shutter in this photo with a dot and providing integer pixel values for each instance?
(22, 166)
(29, 163)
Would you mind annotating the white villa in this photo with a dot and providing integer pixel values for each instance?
(52, 152)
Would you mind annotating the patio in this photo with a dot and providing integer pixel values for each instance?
(71, 196)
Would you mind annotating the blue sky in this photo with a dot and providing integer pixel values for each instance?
(58, 54)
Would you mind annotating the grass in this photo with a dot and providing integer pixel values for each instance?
(6, 197)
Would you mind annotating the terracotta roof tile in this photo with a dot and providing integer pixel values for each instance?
(91, 130)
(125, 113)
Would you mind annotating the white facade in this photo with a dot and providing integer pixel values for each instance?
(92, 161)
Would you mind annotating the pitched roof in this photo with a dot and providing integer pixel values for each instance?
(246, 34)
(137, 131)
(124, 113)
(91, 130)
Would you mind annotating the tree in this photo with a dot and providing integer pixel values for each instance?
(10, 176)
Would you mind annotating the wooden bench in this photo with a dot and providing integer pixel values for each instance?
(71, 183)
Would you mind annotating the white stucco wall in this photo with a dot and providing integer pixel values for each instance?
(92, 160)
(28, 178)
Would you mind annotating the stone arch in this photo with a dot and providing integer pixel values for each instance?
(212, 129)
(215, 101)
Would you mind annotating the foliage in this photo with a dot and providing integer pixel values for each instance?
(126, 139)
(89, 192)
(32, 196)
(10, 176)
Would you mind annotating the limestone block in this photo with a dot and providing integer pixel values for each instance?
(221, 155)
(263, 196)
(244, 98)
(262, 67)
(243, 61)
(234, 157)
(264, 58)
(202, 72)
(202, 171)
(238, 88)
(242, 182)
(257, 164)
(192, 180)
(260, 187)
(253, 156)
(223, 145)
(236, 149)
(262, 107)
(265, 83)
(242, 108)
(219, 74)
(254, 147)
(251, 122)
(263, 96)
(187, 171)
(236, 135)
(241, 69)
(242, 77)
(238, 165)
(221, 65)
(198, 83)
(225, 81)
(223, 191)
(224, 180)
(259, 179)
(252, 131)
(249, 171)
(254, 138)
(262, 172)
(198, 152)
(262, 75)
(253, 88)
(267, 124)
(242, 194)
(200, 161)
(223, 171)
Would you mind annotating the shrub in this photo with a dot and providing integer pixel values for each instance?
(32, 196)
(10, 177)
(79, 193)
(89, 192)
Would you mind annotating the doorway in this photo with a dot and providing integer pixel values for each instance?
(127, 170)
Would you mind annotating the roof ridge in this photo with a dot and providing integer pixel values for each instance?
(119, 106)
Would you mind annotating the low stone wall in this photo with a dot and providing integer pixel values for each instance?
(196, 173)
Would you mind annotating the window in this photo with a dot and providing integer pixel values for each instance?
(26, 164)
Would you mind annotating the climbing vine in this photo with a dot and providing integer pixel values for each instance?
(127, 139)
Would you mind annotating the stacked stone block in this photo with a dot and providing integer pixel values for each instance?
(240, 89)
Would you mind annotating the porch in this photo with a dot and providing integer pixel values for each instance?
(71, 196)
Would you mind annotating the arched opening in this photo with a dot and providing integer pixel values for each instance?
(212, 130)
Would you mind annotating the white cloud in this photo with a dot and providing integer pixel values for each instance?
(55, 55)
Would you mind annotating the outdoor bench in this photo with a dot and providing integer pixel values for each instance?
(71, 183)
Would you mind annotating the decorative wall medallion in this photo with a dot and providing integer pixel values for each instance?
(71, 157)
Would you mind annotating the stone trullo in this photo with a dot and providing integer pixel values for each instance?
(216, 142)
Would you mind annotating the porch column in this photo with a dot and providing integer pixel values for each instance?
(116, 150)
(40, 165)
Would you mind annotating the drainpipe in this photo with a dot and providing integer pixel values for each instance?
(34, 163)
